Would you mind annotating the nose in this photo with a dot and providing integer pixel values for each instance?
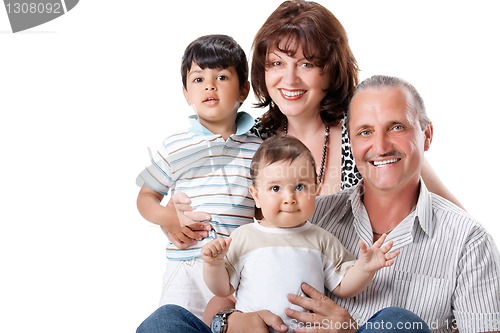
(209, 86)
(290, 198)
(291, 76)
(381, 143)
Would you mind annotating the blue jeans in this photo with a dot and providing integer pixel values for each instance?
(175, 319)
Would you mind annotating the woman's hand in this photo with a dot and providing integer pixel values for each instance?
(325, 315)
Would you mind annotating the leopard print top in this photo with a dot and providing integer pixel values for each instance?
(350, 174)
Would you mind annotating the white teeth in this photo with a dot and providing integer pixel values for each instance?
(292, 93)
(379, 163)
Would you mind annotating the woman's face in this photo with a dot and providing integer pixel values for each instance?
(295, 84)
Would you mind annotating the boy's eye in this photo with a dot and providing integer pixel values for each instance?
(300, 187)
(275, 188)
(197, 80)
(222, 77)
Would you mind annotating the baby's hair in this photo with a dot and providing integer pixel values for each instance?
(280, 149)
(215, 51)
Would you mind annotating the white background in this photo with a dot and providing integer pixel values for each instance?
(83, 96)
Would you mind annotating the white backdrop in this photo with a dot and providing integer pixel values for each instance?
(83, 96)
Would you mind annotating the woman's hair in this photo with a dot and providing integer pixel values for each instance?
(215, 51)
(281, 149)
(306, 24)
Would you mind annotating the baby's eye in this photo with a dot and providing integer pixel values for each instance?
(300, 187)
(275, 188)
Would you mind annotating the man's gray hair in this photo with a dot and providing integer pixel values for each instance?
(381, 81)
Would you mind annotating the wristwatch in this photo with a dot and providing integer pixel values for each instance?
(219, 321)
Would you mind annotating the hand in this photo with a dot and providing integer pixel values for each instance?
(325, 315)
(255, 322)
(184, 237)
(215, 251)
(185, 213)
(377, 256)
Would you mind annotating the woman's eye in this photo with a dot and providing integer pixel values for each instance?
(275, 188)
(276, 63)
(300, 187)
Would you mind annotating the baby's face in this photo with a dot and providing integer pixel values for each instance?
(286, 193)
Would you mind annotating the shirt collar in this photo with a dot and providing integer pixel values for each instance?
(422, 214)
(244, 122)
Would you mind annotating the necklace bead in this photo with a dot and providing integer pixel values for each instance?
(325, 148)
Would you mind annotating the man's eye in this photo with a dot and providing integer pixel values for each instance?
(398, 127)
(364, 133)
(275, 188)
(300, 187)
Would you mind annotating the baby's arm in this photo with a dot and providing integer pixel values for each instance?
(370, 260)
(214, 270)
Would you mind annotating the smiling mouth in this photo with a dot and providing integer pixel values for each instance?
(292, 94)
(385, 162)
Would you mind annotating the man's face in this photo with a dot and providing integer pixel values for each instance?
(387, 141)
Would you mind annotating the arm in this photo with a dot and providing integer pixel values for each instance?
(214, 271)
(370, 260)
(321, 310)
(435, 185)
(149, 206)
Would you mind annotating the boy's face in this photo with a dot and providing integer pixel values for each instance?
(214, 94)
(286, 193)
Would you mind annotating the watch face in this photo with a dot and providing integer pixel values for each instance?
(216, 324)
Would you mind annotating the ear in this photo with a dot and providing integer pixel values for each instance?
(428, 136)
(244, 91)
(255, 195)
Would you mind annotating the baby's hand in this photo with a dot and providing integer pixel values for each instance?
(377, 256)
(214, 252)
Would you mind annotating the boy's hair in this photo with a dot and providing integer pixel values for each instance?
(215, 51)
(280, 149)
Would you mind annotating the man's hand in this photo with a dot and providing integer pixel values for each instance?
(255, 322)
(324, 316)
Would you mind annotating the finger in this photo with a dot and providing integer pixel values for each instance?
(380, 241)
(180, 198)
(387, 247)
(362, 247)
(187, 233)
(392, 255)
(200, 226)
(182, 208)
(197, 216)
(273, 321)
